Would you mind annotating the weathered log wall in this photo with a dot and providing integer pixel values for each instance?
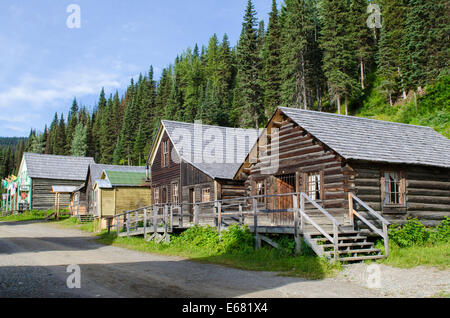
(427, 191)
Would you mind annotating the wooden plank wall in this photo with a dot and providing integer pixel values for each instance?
(164, 176)
(42, 196)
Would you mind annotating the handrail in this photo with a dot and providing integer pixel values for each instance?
(369, 209)
(384, 234)
(328, 215)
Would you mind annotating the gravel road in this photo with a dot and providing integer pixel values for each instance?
(34, 257)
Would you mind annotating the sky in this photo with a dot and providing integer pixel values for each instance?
(44, 63)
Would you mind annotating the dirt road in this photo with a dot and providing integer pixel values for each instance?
(34, 259)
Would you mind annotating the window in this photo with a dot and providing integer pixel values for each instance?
(156, 195)
(206, 195)
(165, 154)
(164, 197)
(313, 186)
(175, 197)
(393, 188)
(261, 190)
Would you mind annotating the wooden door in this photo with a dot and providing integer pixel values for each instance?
(284, 186)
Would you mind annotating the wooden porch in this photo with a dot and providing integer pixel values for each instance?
(326, 234)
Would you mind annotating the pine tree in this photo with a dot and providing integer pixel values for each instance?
(79, 142)
(272, 63)
(249, 100)
(60, 138)
(339, 59)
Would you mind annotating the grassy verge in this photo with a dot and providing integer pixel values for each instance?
(25, 216)
(73, 222)
(437, 255)
(232, 251)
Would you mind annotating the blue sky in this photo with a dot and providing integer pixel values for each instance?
(44, 64)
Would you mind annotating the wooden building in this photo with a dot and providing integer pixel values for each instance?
(119, 191)
(400, 171)
(38, 173)
(94, 173)
(196, 163)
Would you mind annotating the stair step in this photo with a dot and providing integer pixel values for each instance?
(343, 238)
(348, 244)
(360, 251)
(361, 258)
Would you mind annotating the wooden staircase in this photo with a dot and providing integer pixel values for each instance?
(85, 218)
(353, 246)
(340, 241)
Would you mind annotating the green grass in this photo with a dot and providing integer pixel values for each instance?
(432, 109)
(431, 255)
(25, 216)
(264, 259)
(73, 222)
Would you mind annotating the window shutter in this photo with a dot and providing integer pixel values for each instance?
(402, 188)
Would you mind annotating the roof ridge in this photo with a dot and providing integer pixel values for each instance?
(56, 156)
(215, 126)
(353, 117)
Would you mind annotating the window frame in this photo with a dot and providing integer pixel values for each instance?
(257, 188)
(156, 195)
(203, 194)
(165, 154)
(318, 189)
(386, 189)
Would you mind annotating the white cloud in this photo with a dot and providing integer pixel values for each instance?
(38, 92)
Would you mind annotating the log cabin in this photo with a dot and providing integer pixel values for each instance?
(38, 173)
(400, 171)
(192, 163)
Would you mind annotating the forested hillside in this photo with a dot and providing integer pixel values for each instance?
(313, 54)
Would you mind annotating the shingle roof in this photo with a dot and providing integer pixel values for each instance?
(374, 140)
(57, 167)
(96, 170)
(103, 184)
(216, 151)
(125, 178)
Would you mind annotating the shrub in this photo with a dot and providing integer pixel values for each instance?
(198, 236)
(414, 233)
(237, 239)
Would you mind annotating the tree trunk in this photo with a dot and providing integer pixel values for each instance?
(362, 75)
(339, 104)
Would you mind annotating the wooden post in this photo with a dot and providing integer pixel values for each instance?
(255, 224)
(350, 208)
(336, 242)
(171, 219)
(117, 225)
(57, 207)
(165, 213)
(241, 215)
(137, 220)
(128, 224)
(219, 218)
(155, 219)
(145, 223)
(296, 225)
(109, 226)
(386, 239)
(181, 216)
(196, 211)
(302, 210)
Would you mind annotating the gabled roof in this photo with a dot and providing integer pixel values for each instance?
(125, 178)
(96, 170)
(374, 140)
(57, 167)
(103, 184)
(216, 151)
